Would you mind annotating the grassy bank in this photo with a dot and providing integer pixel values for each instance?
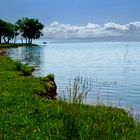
(26, 115)
(10, 45)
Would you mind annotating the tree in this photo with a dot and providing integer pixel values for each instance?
(20, 27)
(2, 28)
(30, 28)
(8, 32)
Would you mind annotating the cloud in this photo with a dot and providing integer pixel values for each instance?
(111, 26)
(109, 30)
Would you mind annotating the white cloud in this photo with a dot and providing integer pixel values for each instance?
(115, 27)
(133, 27)
(58, 30)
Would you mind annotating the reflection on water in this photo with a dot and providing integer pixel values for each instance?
(113, 68)
(27, 55)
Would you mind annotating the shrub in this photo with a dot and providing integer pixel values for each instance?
(23, 69)
(51, 77)
(26, 70)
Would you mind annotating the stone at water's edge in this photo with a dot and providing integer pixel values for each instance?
(52, 89)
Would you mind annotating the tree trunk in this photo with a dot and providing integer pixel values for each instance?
(8, 40)
(4, 39)
(26, 40)
(31, 41)
(21, 39)
(15, 38)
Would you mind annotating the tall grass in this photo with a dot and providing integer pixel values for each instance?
(77, 92)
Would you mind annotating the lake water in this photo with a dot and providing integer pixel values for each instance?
(113, 68)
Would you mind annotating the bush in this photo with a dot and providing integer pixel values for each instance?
(51, 77)
(26, 70)
(23, 69)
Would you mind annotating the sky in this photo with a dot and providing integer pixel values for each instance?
(84, 19)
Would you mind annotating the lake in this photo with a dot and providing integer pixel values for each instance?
(113, 68)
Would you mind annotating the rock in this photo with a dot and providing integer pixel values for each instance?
(50, 88)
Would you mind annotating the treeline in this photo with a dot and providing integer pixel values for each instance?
(27, 28)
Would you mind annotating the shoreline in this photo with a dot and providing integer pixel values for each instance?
(14, 45)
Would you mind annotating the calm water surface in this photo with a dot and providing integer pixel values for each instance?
(113, 68)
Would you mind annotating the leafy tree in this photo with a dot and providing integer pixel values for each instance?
(30, 28)
(20, 27)
(2, 28)
(8, 32)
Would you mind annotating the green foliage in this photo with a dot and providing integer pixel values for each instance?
(24, 69)
(2, 27)
(30, 28)
(51, 77)
(6, 31)
(25, 115)
(18, 66)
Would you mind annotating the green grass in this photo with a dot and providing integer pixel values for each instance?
(25, 115)
(10, 45)
(23, 69)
